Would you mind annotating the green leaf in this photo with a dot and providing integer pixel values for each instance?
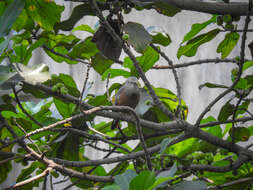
(146, 61)
(84, 50)
(196, 28)
(115, 73)
(84, 27)
(159, 36)
(214, 130)
(143, 181)
(34, 46)
(60, 39)
(190, 185)
(100, 63)
(149, 58)
(211, 85)
(240, 133)
(192, 46)
(242, 108)
(5, 170)
(243, 84)
(247, 65)
(139, 38)
(21, 21)
(10, 15)
(45, 13)
(228, 44)
(226, 111)
(65, 109)
(164, 144)
(2, 7)
(162, 39)
(124, 179)
(99, 100)
(67, 80)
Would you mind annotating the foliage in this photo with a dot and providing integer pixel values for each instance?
(60, 125)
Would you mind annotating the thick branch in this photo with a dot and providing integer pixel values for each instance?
(212, 7)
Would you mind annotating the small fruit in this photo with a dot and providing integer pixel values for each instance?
(227, 18)
(125, 37)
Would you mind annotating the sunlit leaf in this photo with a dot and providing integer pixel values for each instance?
(84, 27)
(84, 50)
(46, 14)
(192, 46)
(143, 181)
(228, 44)
(196, 28)
(247, 65)
(115, 73)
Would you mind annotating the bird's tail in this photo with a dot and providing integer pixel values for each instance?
(115, 124)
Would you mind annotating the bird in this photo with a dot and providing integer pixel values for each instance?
(127, 95)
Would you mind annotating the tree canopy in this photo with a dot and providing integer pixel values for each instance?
(49, 134)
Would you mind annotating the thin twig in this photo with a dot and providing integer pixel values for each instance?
(85, 81)
(175, 77)
(107, 87)
(198, 62)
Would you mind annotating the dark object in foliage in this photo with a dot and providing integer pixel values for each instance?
(105, 42)
(251, 48)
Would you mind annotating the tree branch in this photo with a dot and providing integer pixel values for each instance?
(211, 7)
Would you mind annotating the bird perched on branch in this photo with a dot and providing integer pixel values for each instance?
(127, 95)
